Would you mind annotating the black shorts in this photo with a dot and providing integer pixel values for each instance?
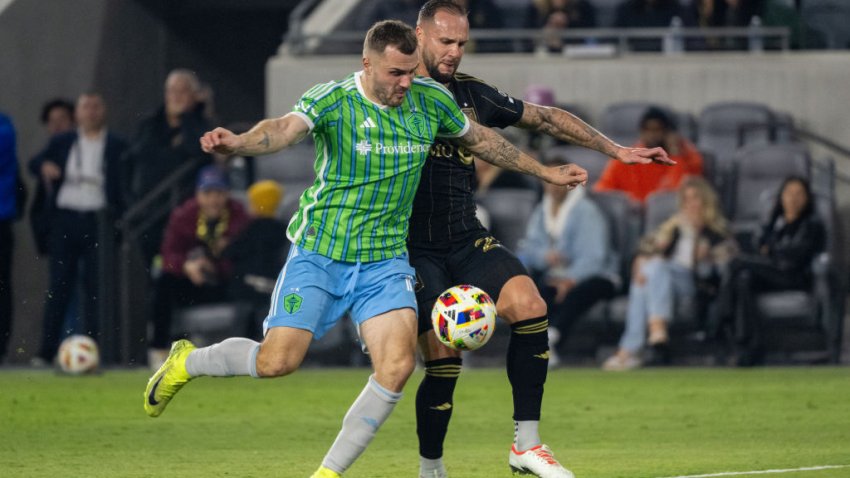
(477, 259)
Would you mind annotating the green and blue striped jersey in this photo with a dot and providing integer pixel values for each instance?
(368, 162)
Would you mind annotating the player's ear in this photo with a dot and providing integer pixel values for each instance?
(367, 65)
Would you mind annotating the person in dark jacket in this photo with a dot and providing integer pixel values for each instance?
(789, 242)
(194, 270)
(164, 142)
(80, 170)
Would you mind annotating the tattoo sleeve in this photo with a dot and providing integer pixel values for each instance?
(489, 146)
(567, 127)
(271, 135)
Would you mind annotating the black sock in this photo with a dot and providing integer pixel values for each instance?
(434, 405)
(528, 362)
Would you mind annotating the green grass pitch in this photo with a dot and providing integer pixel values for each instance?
(650, 423)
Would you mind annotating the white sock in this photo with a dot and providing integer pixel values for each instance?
(360, 424)
(235, 356)
(427, 465)
(526, 435)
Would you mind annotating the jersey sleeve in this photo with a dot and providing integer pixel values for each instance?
(453, 123)
(314, 104)
(495, 108)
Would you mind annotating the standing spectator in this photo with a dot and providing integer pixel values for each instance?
(789, 242)
(57, 116)
(81, 171)
(8, 213)
(193, 269)
(568, 247)
(258, 253)
(639, 181)
(682, 259)
(164, 142)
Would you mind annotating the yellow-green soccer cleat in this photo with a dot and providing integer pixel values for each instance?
(169, 379)
(323, 472)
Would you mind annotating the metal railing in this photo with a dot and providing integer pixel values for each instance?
(673, 39)
(133, 278)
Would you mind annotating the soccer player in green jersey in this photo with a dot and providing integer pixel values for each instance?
(372, 131)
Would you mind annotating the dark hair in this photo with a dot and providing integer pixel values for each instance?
(53, 104)
(431, 8)
(807, 211)
(657, 114)
(391, 33)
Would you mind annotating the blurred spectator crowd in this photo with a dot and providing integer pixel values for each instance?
(812, 23)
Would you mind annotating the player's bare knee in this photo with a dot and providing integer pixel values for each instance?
(519, 308)
(276, 365)
(393, 374)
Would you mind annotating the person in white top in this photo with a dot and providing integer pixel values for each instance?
(682, 258)
(80, 171)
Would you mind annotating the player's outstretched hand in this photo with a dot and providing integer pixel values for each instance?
(644, 156)
(221, 141)
(568, 175)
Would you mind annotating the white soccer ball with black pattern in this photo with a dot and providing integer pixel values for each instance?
(464, 317)
(78, 354)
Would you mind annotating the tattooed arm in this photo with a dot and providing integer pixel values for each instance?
(567, 127)
(489, 146)
(268, 136)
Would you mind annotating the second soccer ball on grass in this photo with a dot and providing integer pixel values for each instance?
(464, 317)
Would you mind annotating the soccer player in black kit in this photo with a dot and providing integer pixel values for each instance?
(448, 246)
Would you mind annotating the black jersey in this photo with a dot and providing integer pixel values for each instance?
(444, 207)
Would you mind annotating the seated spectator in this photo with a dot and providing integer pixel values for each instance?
(567, 247)
(682, 259)
(193, 269)
(789, 242)
(164, 142)
(258, 254)
(640, 180)
(555, 16)
(579, 13)
(80, 172)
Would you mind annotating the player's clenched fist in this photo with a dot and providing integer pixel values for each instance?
(221, 141)
(569, 175)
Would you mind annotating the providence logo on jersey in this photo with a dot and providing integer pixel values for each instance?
(364, 147)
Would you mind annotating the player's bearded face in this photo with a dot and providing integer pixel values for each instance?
(442, 42)
(390, 76)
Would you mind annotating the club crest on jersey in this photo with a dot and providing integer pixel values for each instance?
(487, 243)
(416, 123)
(292, 303)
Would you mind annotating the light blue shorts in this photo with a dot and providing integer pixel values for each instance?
(313, 291)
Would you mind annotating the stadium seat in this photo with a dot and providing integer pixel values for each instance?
(809, 321)
(292, 165)
(720, 127)
(660, 206)
(509, 211)
(621, 121)
(593, 161)
(760, 172)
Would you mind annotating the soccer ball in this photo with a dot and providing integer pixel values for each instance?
(78, 354)
(464, 317)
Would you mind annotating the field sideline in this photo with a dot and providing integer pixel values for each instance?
(647, 424)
